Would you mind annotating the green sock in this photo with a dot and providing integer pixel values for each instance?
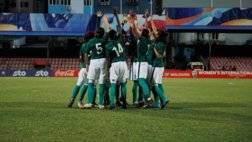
(101, 94)
(144, 87)
(91, 91)
(83, 92)
(162, 88)
(75, 91)
(156, 97)
(134, 91)
(160, 93)
(112, 94)
(123, 90)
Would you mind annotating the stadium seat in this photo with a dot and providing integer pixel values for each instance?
(28, 63)
(227, 63)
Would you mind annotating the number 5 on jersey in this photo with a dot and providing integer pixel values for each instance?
(98, 47)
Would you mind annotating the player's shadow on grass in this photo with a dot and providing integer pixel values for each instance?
(212, 112)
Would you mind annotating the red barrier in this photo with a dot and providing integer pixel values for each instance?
(66, 73)
(224, 74)
(177, 74)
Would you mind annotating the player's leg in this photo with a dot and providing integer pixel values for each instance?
(102, 86)
(156, 103)
(112, 90)
(157, 76)
(123, 94)
(76, 88)
(135, 83)
(140, 97)
(91, 86)
(95, 94)
(118, 87)
(143, 83)
(151, 69)
(123, 80)
(106, 95)
(83, 89)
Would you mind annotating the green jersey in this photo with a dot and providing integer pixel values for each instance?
(150, 53)
(115, 50)
(82, 52)
(95, 47)
(160, 48)
(142, 47)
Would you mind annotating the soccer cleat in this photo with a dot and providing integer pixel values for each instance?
(71, 102)
(165, 104)
(147, 106)
(140, 104)
(88, 106)
(80, 105)
(149, 100)
(101, 106)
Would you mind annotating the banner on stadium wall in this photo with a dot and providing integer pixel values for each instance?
(224, 74)
(209, 18)
(109, 21)
(26, 73)
(44, 24)
(177, 74)
(66, 73)
(78, 24)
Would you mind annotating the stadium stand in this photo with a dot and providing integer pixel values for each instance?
(30, 63)
(231, 63)
(217, 63)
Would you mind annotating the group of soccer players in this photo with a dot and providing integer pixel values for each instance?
(110, 60)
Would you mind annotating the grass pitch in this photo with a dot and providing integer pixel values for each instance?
(33, 109)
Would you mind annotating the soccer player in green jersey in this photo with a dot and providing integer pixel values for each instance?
(97, 68)
(82, 78)
(116, 53)
(150, 57)
(158, 64)
(142, 47)
(132, 53)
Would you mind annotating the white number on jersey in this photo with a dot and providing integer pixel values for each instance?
(118, 49)
(98, 47)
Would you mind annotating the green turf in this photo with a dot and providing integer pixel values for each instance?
(33, 109)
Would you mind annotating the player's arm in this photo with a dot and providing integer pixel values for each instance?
(86, 55)
(158, 53)
(107, 53)
(106, 22)
(136, 31)
(154, 28)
